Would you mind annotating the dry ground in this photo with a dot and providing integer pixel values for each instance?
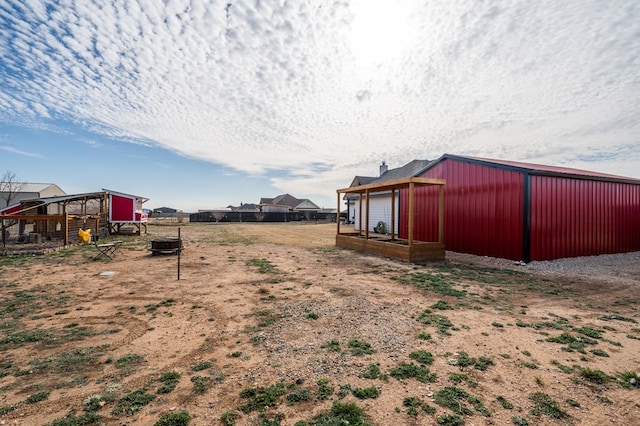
(263, 306)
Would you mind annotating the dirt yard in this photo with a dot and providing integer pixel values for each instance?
(274, 325)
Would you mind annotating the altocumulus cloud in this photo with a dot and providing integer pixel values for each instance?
(328, 88)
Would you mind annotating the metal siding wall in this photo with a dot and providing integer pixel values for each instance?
(572, 217)
(483, 210)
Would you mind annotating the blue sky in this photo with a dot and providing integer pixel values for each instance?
(201, 104)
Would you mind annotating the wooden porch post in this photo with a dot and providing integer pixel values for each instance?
(338, 215)
(65, 229)
(360, 214)
(366, 228)
(393, 214)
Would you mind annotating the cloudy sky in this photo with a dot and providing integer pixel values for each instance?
(201, 104)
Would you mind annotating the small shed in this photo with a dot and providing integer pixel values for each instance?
(528, 212)
(18, 191)
(126, 210)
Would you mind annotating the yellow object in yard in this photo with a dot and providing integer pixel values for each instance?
(84, 236)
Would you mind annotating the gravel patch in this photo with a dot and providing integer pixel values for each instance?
(619, 268)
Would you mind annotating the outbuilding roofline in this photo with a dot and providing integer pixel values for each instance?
(531, 168)
(139, 197)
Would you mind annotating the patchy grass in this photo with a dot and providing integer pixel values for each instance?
(443, 324)
(505, 404)
(325, 390)
(374, 372)
(629, 379)
(332, 345)
(595, 376)
(37, 397)
(298, 395)
(342, 414)
(260, 398)
(169, 381)
(438, 283)
(546, 405)
(423, 357)
(133, 402)
(410, 370)
(464, 360)
(264, 266)
(615, 317)
(413, 404)
(359, 348)
(181, 418)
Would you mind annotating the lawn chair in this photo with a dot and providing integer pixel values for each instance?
(106, 249)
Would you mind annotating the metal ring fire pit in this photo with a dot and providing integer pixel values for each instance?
(166, 246)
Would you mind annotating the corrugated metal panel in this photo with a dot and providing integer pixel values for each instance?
(483, 210)
(572, 217)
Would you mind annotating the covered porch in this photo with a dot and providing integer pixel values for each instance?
(389, 244)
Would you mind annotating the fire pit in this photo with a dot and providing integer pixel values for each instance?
(166, 246)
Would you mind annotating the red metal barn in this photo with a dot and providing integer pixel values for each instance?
(527, 212)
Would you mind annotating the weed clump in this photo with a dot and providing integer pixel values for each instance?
(629, 379)
(332, 345)
(519, 421)
(37, 397)
(544, 404)
(133, 402)
(200, 383)
(599, 352)
(450, 420)
(423, 357)
(464, 360)
(441, 305)
(440, 321)
(169, 381)
(324, 389)
(453, 398)
(594, 376)
(424, 336)
(359, 348)
(342, 414)
(73, 420)
(373, 372)
(229, 418)
(412, 403)
(180, 418)
(95, 402)
(260, 398)
(411, 370)
(505, 404)
(366, 393)
(201, 366)
(299, 395)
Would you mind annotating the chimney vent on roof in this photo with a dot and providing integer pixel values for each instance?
(383, 168)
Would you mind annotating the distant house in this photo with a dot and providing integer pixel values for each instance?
(379, 203)
(245, 207)
(164, 210)
(15, 192)
(287, 203)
